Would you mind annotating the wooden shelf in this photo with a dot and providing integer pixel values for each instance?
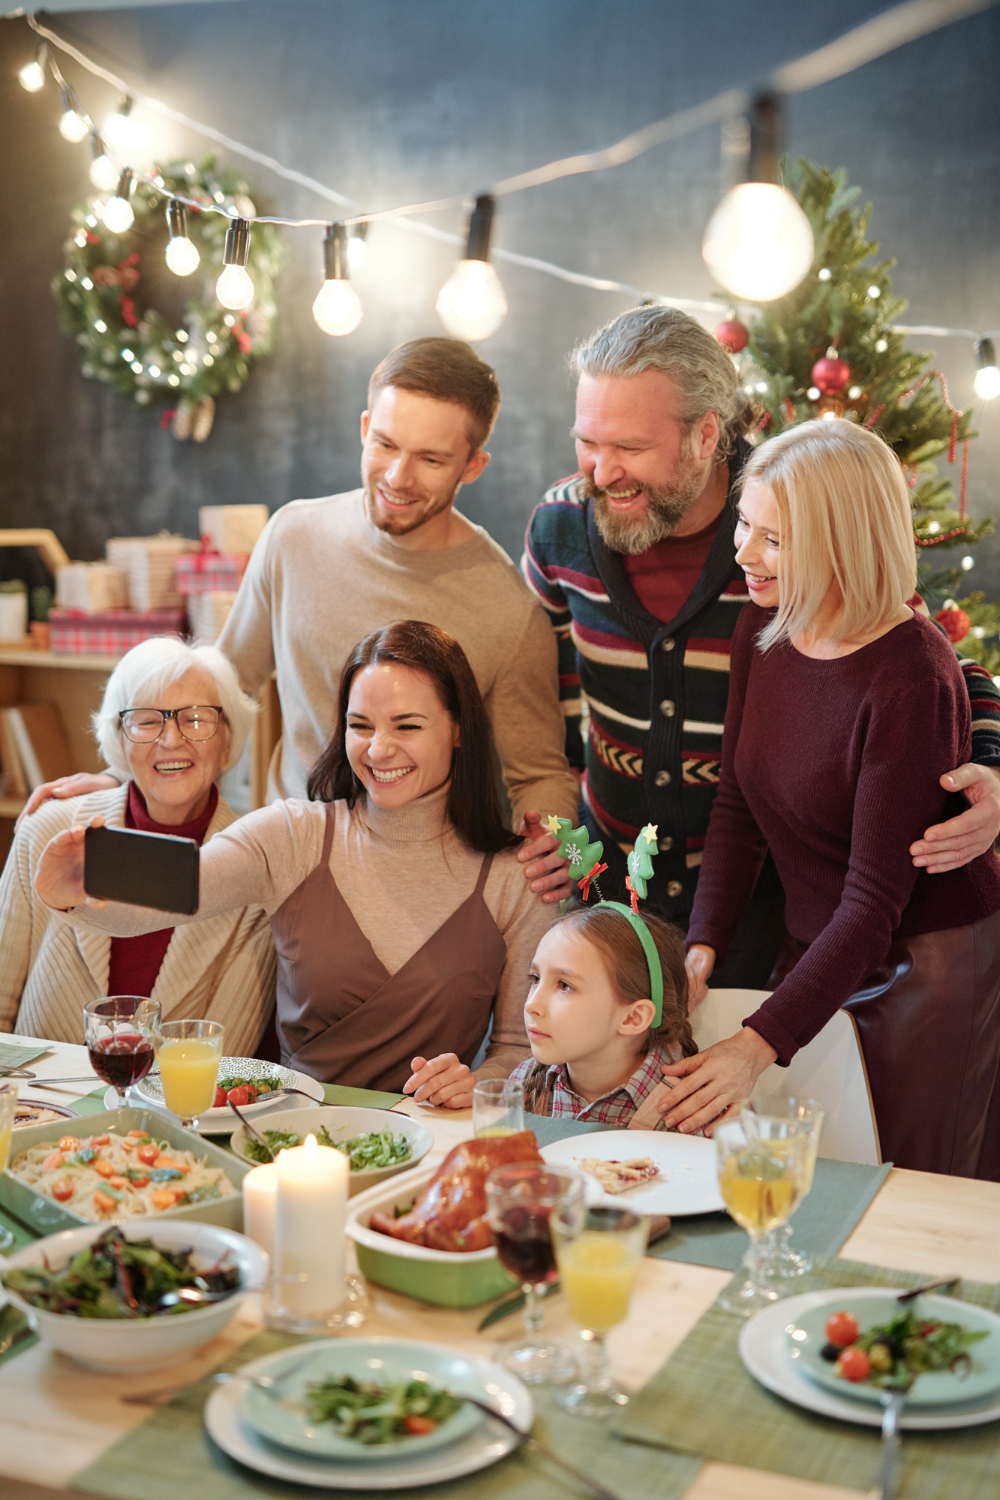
(23, 656)
(12, 807)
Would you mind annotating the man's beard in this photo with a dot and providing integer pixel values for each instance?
(666, 506)
(415, 516)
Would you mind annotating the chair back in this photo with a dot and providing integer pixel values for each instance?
(830, 1069)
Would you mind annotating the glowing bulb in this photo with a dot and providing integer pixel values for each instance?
(825, 273)
(987, 383)
(472, 304)
(32, 76)
(855, 392)
(234, 288)
(129, 136)
(758, 243)
(357, 252)
(104, 173)
(183, 256)
(119, 215)
(874, 291)
(882, 345)
(337, 308)
(73, 127)
(968, 561)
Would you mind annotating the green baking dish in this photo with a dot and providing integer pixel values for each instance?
(46, 1216)
(437, 1276)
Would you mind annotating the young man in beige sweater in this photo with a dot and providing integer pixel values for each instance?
(326, 572)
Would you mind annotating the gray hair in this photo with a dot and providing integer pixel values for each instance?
(668, 340)
(142, 675)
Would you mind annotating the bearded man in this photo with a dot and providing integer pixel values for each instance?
(633, 559)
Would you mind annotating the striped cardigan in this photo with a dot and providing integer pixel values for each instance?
(645, 701)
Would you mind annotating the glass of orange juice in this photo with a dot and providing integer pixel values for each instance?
(598, 1252)
(760, 1162)
(8, 1107)
(497, 1107)
(188, 1053)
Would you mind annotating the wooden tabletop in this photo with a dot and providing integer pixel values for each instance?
(52, 1423)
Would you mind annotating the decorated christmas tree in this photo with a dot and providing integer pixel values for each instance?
(829, 348)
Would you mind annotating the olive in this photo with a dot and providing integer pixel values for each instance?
(830, 1353)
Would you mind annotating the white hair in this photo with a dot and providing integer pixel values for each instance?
(142, 675)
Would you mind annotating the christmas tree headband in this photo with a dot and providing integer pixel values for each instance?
(585, 866)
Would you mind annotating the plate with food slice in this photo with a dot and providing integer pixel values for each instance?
(648, 1171)
(252, 1083)
(39, 1112)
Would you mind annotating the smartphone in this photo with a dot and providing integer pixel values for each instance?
(145, 869)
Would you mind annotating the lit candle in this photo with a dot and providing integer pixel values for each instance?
(260, 1196)
(309, 1225)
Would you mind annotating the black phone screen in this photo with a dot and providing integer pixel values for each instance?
(145, 869)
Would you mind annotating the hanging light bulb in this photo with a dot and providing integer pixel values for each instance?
(758, 243)
(357, 249)
(73, 126)
(182, 254)
(119, 215)
(337, 308)
(234, 288)
(987, 381)
(129, 136)
(103, 172)
(472, 304)
(32, 76)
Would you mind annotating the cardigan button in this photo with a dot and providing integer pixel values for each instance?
(663, 778)
(668, 708)
(674, 888)
(665, 844)
(668, 643)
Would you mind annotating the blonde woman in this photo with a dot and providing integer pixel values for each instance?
(846, 713)
(172, 720)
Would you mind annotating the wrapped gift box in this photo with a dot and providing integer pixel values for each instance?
(112, 633)
(232, 529)
(149, 563)
(208, 572)
(207, 614)
(93, 587)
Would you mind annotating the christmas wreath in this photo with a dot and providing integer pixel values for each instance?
(133, 347)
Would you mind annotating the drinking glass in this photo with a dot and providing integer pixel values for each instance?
(807, 1118)
(8, 1107)
(760, 1178)
(598, 1251)
(188, 1053)
(497, 1107)
(119, 1031)
(520, 1201)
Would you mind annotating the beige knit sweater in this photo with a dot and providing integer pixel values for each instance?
(322, 577)
(402, 873)
(218, 970)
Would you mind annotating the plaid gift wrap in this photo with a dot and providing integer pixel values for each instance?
(209, 572)
(111, 633)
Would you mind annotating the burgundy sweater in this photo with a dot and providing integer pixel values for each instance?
(834, 767)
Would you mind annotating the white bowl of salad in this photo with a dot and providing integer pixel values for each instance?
(380, 1144)
(107, 1295)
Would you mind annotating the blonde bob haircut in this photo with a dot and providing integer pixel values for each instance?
(845, 519)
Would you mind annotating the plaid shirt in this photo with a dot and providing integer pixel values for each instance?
(614, 1108)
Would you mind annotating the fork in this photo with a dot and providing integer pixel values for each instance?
(892, 1403)
(535, 1445)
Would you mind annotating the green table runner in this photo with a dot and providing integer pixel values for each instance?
(171, 1455)
(703, 1402)
(12, 1056)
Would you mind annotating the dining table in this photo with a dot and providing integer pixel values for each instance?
(59, 1421)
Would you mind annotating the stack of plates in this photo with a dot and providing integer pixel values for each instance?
(781, 1349)
(268, 1430)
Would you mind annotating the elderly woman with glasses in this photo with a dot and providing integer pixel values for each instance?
(173, 719)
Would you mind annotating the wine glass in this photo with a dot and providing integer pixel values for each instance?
(807, 1118)
(188, 1053)
(760, 1178)
(598, 1251)
(118, 1030)
(497, 1107)
(8, 1107)
(519, 1203)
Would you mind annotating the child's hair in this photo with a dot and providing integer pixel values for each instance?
(624, 960)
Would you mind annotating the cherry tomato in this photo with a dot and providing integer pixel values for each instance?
(138, 1182)
(854, 1365)
(103, 1168)
(53, 1160)
(139, 1135)
(100, 1140)
(68, 1143)
(841, 1329)
(239, 1096)
(148, 1154)
(219, 1102)
(61, 1190)
(419, 1426)
(252, 1093)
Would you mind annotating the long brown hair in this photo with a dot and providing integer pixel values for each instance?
(624, 960)
(473, 798)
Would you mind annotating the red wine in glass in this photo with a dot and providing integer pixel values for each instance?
(524, 1244)
(121, 1060)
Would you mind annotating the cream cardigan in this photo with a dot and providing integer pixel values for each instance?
(220, 969)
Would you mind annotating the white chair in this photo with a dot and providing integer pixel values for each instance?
(830, 1069)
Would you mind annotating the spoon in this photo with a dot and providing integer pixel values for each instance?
(929, 1286)
(191, 1296)
(250, 1130)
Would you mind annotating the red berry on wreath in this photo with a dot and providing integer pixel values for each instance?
(732, 335)
(831, 374)
(954, 622)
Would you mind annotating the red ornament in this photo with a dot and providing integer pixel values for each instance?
(732, 335)
(831, 374)
(954, 622)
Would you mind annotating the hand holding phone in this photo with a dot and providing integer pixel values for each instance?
(143, 869)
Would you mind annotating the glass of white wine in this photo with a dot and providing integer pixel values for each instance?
(805, 1117)
(497, 1107)
(8, 1108)
(760, 1178)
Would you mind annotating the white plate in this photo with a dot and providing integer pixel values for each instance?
(221, 1121)
(484, 1445)
(763, 1346)
(688, 1182)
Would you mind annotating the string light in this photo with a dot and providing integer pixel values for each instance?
(337, 308)
(73, 126)
(968, 562)
(103, 172)
(119, 214)
(234, 288)
(129, 136)
(32, 76)
(472, 303)
(357, 248)
(987, 381)
(183, 255)
(758, 243)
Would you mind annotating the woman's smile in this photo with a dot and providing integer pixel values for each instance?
(388, 775)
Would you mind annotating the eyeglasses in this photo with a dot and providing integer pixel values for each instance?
(143, 726)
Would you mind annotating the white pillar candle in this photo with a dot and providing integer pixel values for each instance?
(309, 1228)
(260, 1196)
